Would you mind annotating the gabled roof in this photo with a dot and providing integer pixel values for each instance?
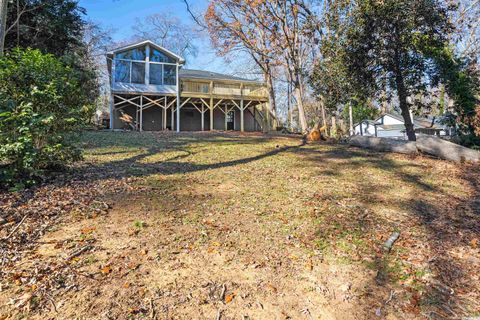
(152, 44)
(392, 115)
(208, 75)
(372, 122)
(418, 122)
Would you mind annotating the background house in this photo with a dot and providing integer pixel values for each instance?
(392, 126)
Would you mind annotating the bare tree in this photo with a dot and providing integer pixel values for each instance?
(466, 20)
(240, 26)
(294, 35)
(169, 32)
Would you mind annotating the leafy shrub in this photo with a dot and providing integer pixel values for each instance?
(40, 102)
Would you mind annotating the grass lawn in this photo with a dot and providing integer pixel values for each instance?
(230, 226)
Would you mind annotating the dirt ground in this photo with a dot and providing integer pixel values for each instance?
(231, 226)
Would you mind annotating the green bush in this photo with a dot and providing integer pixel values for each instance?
(40, 102)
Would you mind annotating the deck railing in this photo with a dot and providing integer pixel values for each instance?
(224, 89)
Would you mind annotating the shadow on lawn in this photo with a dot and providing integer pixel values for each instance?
(134, 167)
(449, 222)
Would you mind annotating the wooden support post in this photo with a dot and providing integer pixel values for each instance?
(141, 113)
(242, 127)
(164, 121)
(178, 100)
(226, 111)
(173, 118)
(203, 117)
(211, 105)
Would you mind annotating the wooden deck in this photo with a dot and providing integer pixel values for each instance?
(195, 88)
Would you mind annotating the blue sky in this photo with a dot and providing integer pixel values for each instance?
(121, 14)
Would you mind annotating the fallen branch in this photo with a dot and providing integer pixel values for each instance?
(222, 295)
(16, 227)
(79, 252)
(387, 246)
(152, 310)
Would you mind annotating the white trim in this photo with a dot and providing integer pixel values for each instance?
(124, 100)
(151, 43)
(147, 64)
(141, 114)
(216, 105)
(185, 102)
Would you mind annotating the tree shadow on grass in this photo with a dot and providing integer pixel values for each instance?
(447, 224)
(134, 166)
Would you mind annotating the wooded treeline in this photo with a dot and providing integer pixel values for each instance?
(49, 85)
(414, 57)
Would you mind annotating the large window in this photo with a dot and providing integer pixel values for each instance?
(156, 73)
(130, 67)
(138, 72)
(122, 71)
(169, 74)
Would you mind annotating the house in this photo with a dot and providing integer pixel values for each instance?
(364, 128)
(392, 126)
(150, 90)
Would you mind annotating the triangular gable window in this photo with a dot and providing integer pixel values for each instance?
(158, 56)
(134, 54)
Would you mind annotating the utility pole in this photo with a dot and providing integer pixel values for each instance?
(3, 24)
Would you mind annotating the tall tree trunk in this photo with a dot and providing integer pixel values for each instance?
(324, 116)
(271, 92)
(289, 100)
(297, 92)
(3, 24)
(333, 130)
(402, 98)
(350, 116)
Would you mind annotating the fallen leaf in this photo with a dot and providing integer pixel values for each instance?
(106, 270)
(229, 297)
(87, 230)
(474, 243)
(274, 290)
(133, 265)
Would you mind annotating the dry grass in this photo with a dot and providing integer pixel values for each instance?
(248, 227)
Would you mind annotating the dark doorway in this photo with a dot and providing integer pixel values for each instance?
(231, 120)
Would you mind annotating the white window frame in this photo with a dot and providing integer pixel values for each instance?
(130, 62)
(163, 71)
(147, 63)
